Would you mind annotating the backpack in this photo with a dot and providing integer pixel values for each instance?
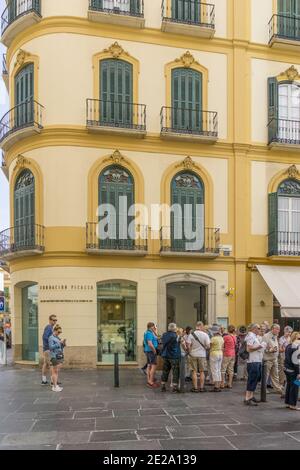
(243, 353)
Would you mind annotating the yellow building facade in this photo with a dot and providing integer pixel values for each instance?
(73, 133)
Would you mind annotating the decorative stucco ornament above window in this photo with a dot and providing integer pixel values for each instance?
(188, 164)
(116, 158)
(116, 50)
(293, 172)
(187, 60)
(291, 75)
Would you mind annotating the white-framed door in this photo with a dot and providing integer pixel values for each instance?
(288, 224)
(289, 112)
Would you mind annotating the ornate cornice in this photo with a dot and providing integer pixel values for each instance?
(116, 158)
(188, 164)
(20, 59)
(116, 51)
(21, 163)
(187, 60)
(293, 172)
(291, 74)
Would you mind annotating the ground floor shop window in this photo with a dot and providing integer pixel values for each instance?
(30, 342)
(117, 321)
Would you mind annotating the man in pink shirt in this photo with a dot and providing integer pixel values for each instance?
(229, 356)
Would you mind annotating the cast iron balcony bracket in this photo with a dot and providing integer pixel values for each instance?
(169, 245)
(13, 14)
(284, 243)
(115, 115)
(283, 132)
(22, 240)
(187, 122)
(284, 27)
(131, 8)
(26, 116)
(130, 247)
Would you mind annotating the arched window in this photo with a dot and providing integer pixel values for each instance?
(116, 93)
(24, 210)
(186, 99)
(187, 216)
(116, 187)
(284, 219)
(24, 96)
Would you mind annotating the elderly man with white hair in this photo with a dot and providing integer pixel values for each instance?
(271, 357)
(284, 341)
(171, 354)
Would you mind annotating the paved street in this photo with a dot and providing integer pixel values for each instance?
(91, 414)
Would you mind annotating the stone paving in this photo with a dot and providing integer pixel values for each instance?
(91, 414)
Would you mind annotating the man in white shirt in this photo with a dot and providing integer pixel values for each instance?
(198, 343)
(255, 349)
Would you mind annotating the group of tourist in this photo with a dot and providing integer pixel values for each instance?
(53, 355)
(212, 356)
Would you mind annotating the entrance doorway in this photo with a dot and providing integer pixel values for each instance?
(186, 303)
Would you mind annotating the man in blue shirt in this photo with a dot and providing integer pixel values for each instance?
(171, 354)
(150, 347)
(46, 353)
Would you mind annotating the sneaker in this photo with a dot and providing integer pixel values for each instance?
(57, 389)
(250, 403)
(44, 382)
(255, 400)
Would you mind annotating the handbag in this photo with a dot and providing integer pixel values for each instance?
(59, 356)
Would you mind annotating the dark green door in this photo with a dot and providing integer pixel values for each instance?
(114, 183)
(186, 190)
(289, 18)
(116, 93)
(30, 341)
(24, 211)
(186, 11)
(24, 94)
(186, 100)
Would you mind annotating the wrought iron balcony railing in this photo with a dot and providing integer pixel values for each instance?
(20, 117)
(4, 65)
(190, 12)
(27, 237)
(284, 27)
(17, 8)
(284, 244)
(209, 241)
(119, 7)
(284, 131)
(94, 243)
(189, 121)
(102, 113)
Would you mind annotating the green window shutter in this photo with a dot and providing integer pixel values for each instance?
(273, 224)
(97, 4)
(272, 108)
(186, 99)
(288, 20)
(116, 92)
(135, 7)
(24, 209)
(186, 11)
(24, 93)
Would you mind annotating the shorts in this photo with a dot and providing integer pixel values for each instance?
(151, 358)
(254, 375)
(197, 364)
(55, 362)
(46, 357)
(228, 365)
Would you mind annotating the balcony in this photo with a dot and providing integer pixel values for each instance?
(284, 30)
(190, 17)
(125, 247)
(116, 117)
(170, 246)
(284, 244)
(21, 121)
(17, 16)
(22, 240)
(5, 76)
(284, 133)
(189, 124)
(119, 12)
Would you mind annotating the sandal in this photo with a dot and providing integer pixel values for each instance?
(195, 390)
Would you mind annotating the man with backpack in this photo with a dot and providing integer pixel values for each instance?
(198, 344)
(171, 354)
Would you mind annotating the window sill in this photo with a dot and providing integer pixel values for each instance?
(116, 19)
(194, 30)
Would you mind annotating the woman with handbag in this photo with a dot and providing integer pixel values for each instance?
(56, 346)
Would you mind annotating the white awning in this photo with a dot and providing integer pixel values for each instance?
(284, 282)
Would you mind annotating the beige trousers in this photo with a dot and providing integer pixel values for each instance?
(272, 372)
